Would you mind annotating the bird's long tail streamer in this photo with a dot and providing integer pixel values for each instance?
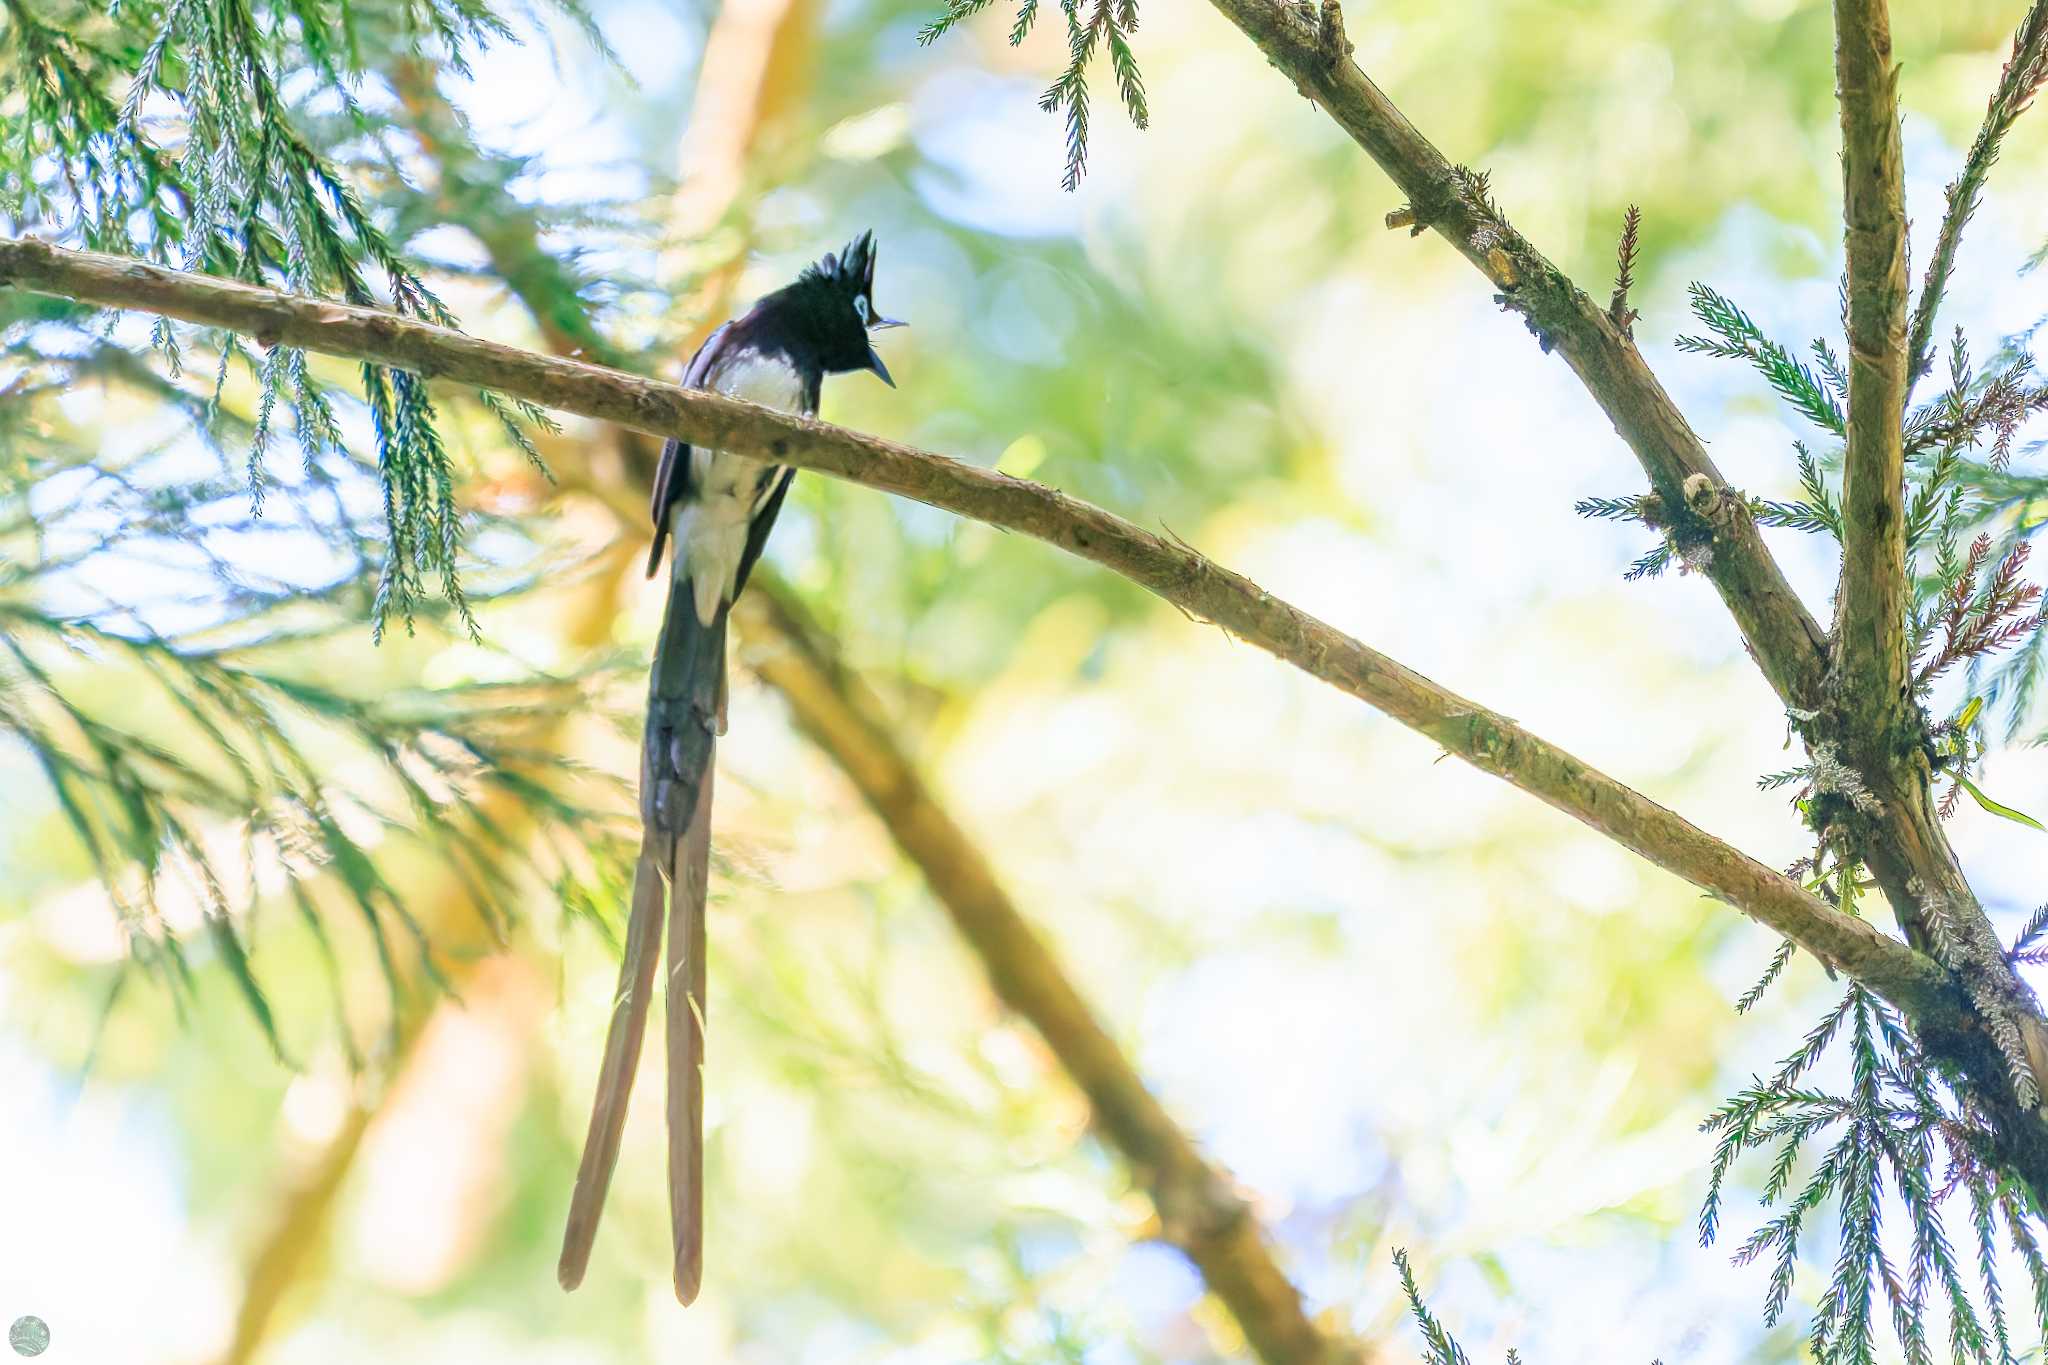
(685, 712)
(615, 1077)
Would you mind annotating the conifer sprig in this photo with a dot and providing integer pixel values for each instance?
(1626, 251)
(1891, 1129)
(1978, 621)
(1092, 26)
(245, 192)
(244, 791)
(1439, 1346)
(1737, 337)
(249, 786)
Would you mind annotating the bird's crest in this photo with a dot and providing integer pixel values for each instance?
(852, 269)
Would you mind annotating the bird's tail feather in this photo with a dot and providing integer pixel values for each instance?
(615, 1077)
(686, 1047)
(685, 712)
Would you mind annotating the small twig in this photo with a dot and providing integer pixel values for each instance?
(2018, 83)
(1625, 252)
(1789, 645)
(1330, 33)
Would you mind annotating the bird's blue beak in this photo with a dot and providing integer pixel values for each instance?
(884, 324)
(881, 370)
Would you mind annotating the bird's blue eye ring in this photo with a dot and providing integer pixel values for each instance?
(861, 306)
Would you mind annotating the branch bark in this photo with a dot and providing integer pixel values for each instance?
(1872, 712)
(1199, 1209)
(1870, 630)
(1174, 572)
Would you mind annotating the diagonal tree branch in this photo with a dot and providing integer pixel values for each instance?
(1172, 571)
(1199, 1210)
(1870, 630)
(2017, 85)
(1902, 841)
(1784, 638)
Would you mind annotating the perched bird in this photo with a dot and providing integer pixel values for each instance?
(719, 507)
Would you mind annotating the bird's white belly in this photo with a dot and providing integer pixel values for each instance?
(711, 528)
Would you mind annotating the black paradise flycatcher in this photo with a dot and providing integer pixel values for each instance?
(720, 508)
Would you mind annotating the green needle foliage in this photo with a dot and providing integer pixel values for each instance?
(243, 794)
(161, 131)
(201, 764)
(1968, 605)
(1736, 337)
(1093, 26)
(1439, 1346)
(204, 768)
(1896, 1140)
(1883, 1137)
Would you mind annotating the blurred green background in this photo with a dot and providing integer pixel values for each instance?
(1403, 1004)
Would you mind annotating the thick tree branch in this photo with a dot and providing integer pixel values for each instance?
(1172, 571)
(298, 1234)
(1783, 636)
(1871, 712)
(1199, 1210)
(1870, 630)
(2017, 84)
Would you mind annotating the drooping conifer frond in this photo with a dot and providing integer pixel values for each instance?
(1737, 337)
(162, 131)
(1093, 27)
(159, 647)
(1881, 1140)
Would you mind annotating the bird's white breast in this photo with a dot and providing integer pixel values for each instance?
(711, 528)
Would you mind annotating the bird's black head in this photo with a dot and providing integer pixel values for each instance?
(831, 309)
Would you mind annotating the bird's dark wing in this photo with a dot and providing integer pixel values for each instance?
(761, 525)
(764, 517)
(672, 476)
